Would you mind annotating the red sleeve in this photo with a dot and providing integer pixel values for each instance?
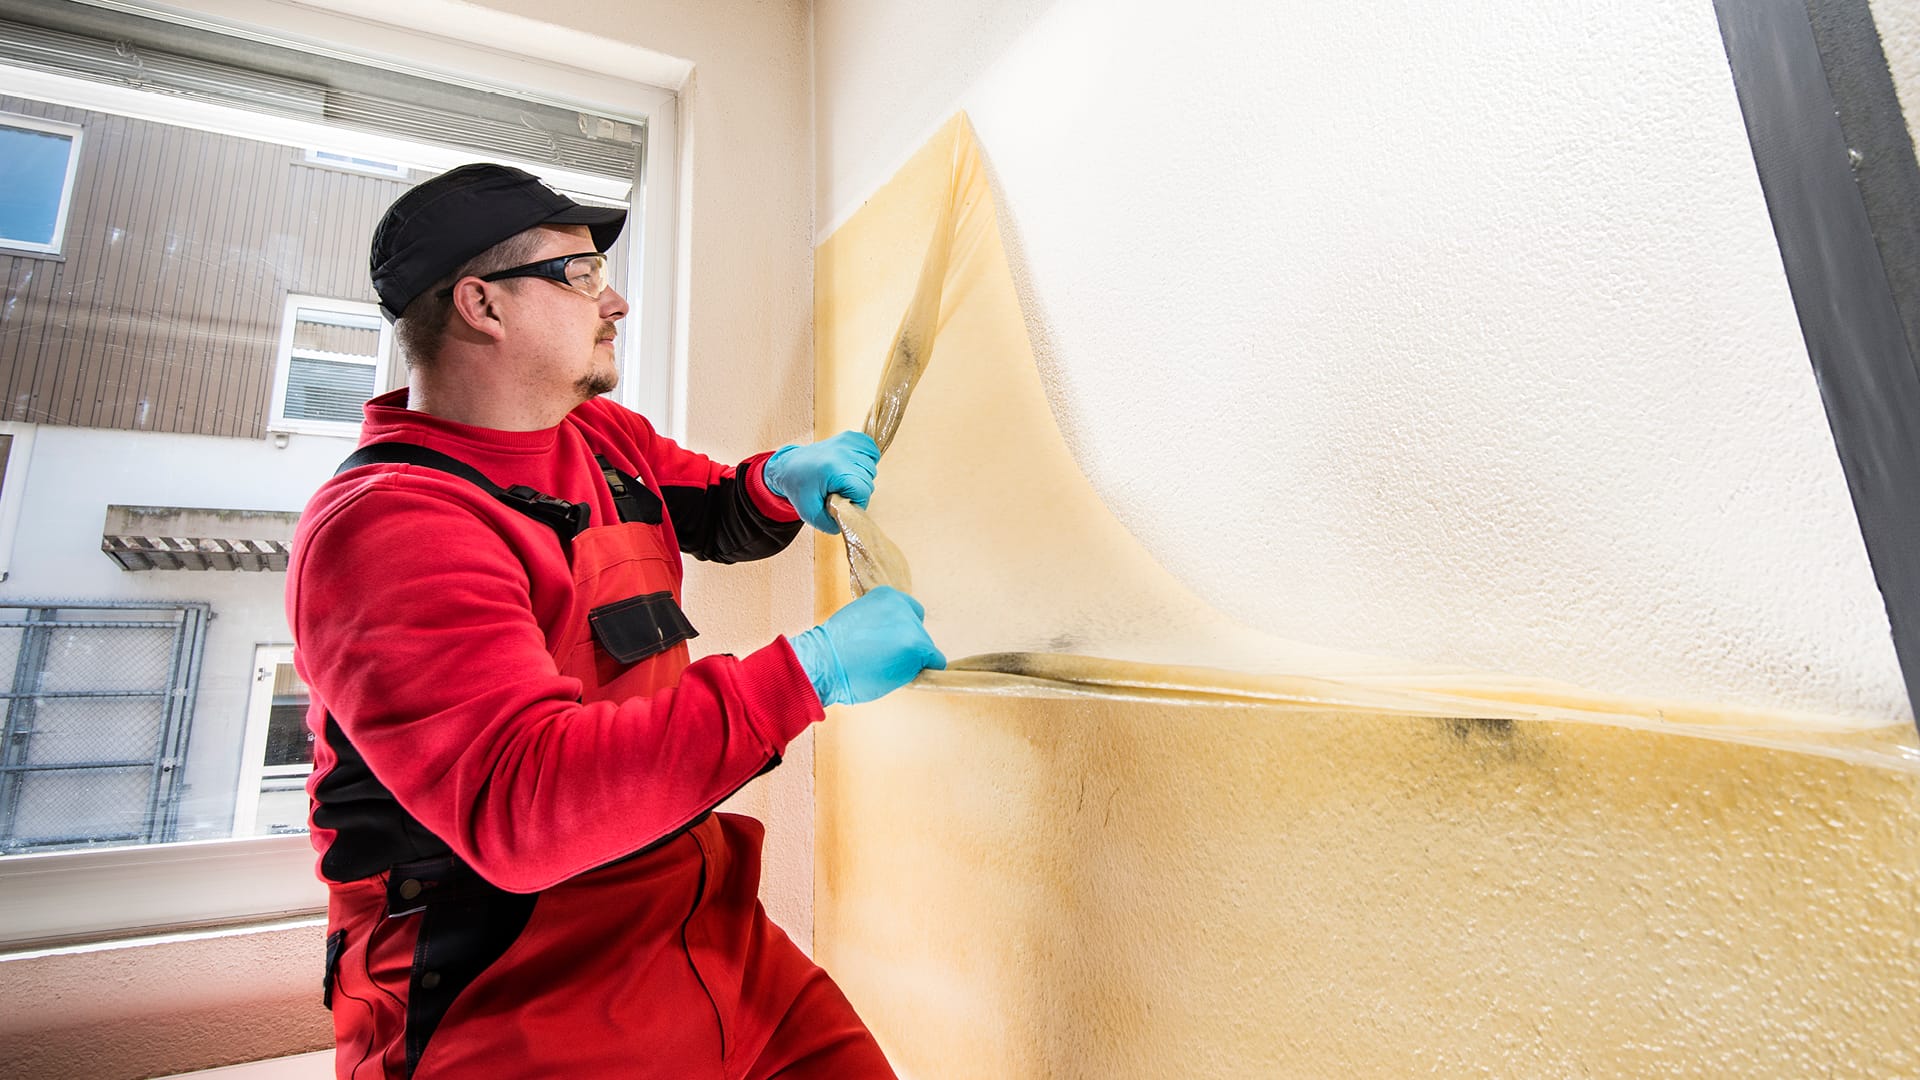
(412, 612)
(773, 506)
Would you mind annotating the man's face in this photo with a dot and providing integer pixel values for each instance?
(564, 337)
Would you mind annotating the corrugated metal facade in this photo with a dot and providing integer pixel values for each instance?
(181, 246)
(164, 313)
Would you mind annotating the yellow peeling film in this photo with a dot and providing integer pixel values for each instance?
(1125, 836)
(872, 559)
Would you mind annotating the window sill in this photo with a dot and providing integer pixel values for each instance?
(327, 429)
(164, 1004)
(9, 251)
(314, 1066)
(78, 896)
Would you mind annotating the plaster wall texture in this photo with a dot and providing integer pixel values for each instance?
(1899, 24)
(1459, 336)
(1287, 862)
(159, 1006)
(1022, 887)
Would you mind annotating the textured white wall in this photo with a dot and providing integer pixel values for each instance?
(1456, 333)
(1899, 24)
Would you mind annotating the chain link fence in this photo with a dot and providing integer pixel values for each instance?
(97, 711)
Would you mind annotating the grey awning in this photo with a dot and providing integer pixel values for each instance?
(189, 538)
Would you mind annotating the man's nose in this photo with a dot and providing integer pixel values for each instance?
(612, 304)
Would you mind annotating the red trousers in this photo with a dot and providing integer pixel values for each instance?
(662, 966)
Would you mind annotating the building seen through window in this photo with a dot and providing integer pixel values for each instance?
(187, 334)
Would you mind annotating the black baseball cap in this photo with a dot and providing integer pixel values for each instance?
(429, 231)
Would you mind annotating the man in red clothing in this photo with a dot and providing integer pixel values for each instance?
(515, 763)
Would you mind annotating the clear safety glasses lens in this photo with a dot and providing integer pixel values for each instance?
(588, 273)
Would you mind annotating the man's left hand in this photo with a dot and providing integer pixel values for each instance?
(806, 475)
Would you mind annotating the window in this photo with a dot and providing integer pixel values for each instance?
(333, 357)
(37, 161)
(213, 288)
(278, 751)
(357, 163)
(97, 712)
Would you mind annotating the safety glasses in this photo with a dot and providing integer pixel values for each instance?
(585, 273)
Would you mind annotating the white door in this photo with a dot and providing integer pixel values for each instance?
(278, 753)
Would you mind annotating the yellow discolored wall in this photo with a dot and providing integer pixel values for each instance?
(1086, 862)
(1019, 887)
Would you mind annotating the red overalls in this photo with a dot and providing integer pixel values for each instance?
(662, 964)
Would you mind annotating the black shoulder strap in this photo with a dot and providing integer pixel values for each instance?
(633, 498)
(566, 519)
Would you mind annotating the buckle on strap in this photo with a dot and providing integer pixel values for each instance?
(630, 497)
(569, 519)
(566, 519)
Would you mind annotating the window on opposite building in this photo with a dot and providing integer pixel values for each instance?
(38, 159)
(356, 163)
(332, 358)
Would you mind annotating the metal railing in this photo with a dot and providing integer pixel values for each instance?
(97, 714)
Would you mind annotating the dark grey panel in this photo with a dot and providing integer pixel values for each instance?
(1849, 315)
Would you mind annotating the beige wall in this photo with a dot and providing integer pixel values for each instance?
(1899, 24)
(1027, 888)
(153, 1007)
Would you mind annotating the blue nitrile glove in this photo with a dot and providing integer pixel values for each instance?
(806, 475)
(871, 647)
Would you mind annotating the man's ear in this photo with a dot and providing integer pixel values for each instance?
(476, 303)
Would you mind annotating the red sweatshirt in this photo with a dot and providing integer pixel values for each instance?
(425, 611)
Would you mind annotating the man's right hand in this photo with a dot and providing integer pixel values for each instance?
(871, 647)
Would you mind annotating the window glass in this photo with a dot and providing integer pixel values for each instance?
(336, 354)
(289, 743)
(288, 740)
(33, 184)
(327, 389)
(189, 370)
(359, 164)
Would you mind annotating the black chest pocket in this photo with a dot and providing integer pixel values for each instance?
(640, 626)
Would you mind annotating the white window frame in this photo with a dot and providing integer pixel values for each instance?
(283, 362)
(90, 895)
(73, 134)
(253, 746)
(13, 490)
